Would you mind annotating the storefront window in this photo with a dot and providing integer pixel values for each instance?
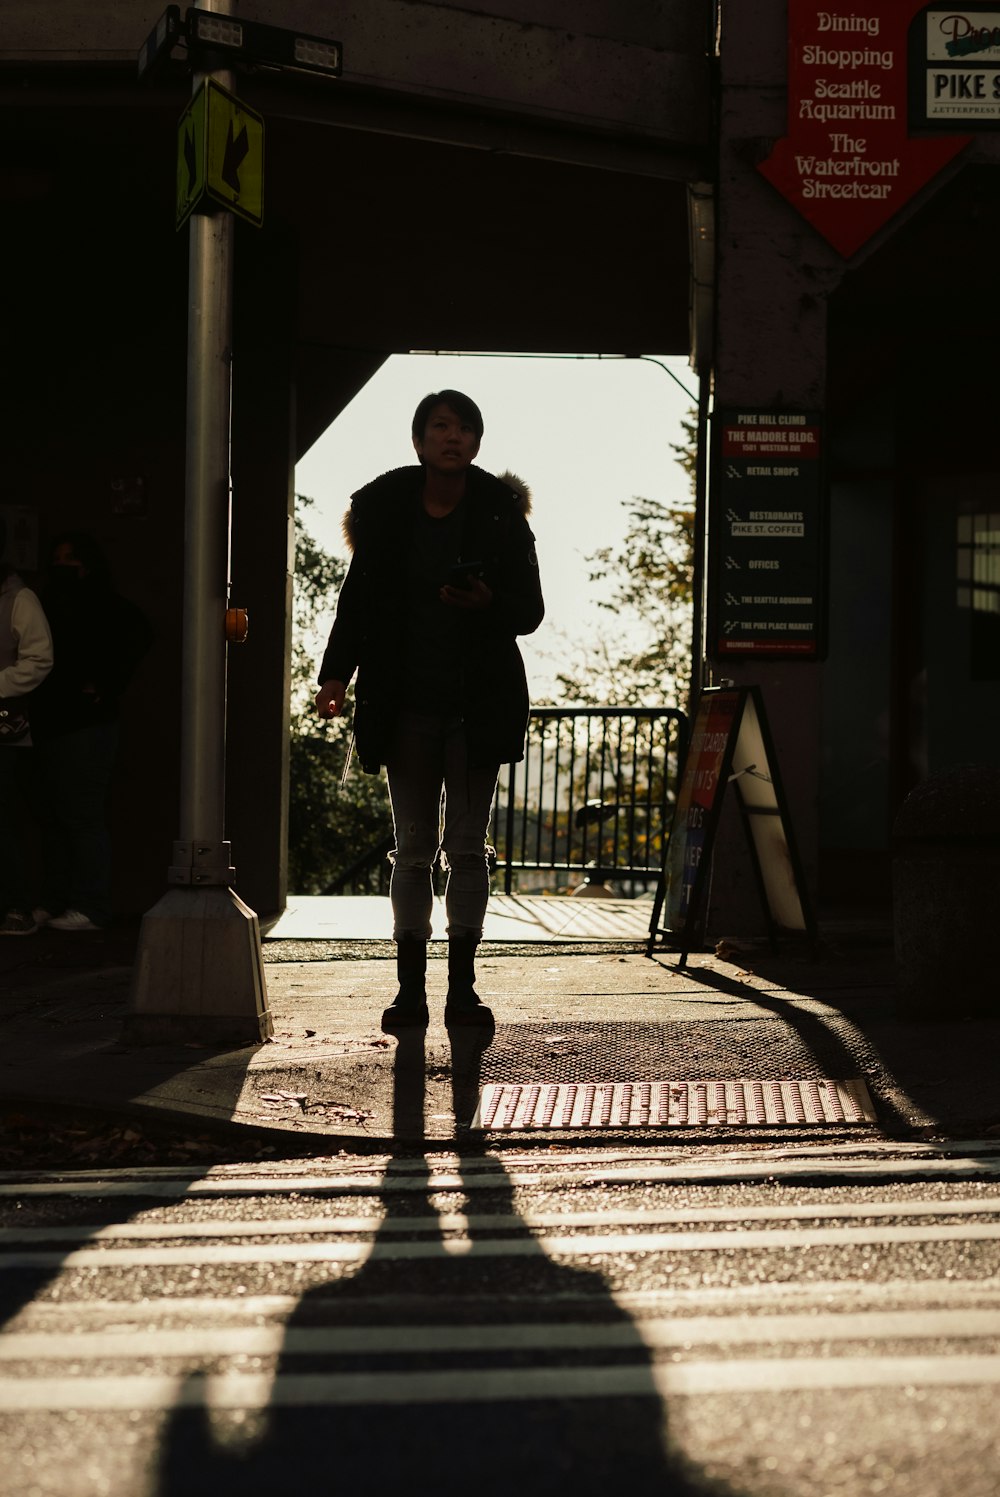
(978, 579)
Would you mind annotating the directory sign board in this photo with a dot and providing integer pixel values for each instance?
(767, 592)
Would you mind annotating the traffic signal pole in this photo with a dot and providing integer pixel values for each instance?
(199, 973)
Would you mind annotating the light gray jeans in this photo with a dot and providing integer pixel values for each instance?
(438, 804)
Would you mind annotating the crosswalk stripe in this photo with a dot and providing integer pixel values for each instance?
(657, 1334)
(497, 1161)
(455, 1222)
(847, 1171)
(543, 1244)
(755, 1337)
(517, 1385)
(823, 1293)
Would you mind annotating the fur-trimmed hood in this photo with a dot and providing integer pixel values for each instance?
(399, 483)
(375, 615)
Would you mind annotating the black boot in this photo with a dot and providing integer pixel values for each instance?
(409, 1007)
(463, 1005)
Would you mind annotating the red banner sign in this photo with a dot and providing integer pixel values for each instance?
(847, 163)
(701, 790)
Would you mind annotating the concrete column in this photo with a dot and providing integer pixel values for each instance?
(774, 275)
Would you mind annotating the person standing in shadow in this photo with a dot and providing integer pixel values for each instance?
(443, 579)
(100, 638)
(25, 661)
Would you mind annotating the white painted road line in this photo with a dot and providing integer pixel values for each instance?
(503, 1385)
(455, 1222)
(677, 1332)
(510, 1158)
(823, 1293)
(581, 1246)
(843, 1171)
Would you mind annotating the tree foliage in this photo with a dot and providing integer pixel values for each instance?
(646, 585)
(330, 824)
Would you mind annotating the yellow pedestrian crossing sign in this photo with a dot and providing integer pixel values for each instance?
(220, 155)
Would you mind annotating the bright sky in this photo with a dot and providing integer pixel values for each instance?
(585, 434)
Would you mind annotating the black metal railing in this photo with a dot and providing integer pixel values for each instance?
(591, 800)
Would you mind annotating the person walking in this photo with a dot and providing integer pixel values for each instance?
(442, 580)
(100, 638)
(25, 661)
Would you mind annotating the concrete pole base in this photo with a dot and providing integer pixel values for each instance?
(199, 973)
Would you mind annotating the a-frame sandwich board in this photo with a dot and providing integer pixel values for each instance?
(730, 744)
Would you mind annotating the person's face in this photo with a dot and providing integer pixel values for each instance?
(63, 557)
(449, 444)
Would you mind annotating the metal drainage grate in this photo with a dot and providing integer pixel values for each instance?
(805, 1045)
(670, 1104)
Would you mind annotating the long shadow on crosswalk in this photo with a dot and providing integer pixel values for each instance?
(922, 1068)
(839, 1046)
(488, 1418)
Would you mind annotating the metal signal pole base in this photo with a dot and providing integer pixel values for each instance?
(199, 973)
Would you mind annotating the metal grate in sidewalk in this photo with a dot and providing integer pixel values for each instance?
(799, 1044)
(671, 1104)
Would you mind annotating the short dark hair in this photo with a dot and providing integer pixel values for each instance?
(86, 549)
(465, 408)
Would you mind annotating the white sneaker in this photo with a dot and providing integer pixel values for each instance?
(17, 923)
(41, 917)
(73, 920)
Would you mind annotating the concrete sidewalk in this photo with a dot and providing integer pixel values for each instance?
(589, 1011)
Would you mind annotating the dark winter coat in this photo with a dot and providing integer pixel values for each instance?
(99, 639)
(371, 619)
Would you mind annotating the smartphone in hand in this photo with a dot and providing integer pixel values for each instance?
(464, 573)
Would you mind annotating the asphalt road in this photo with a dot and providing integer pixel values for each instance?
(558, 1320)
